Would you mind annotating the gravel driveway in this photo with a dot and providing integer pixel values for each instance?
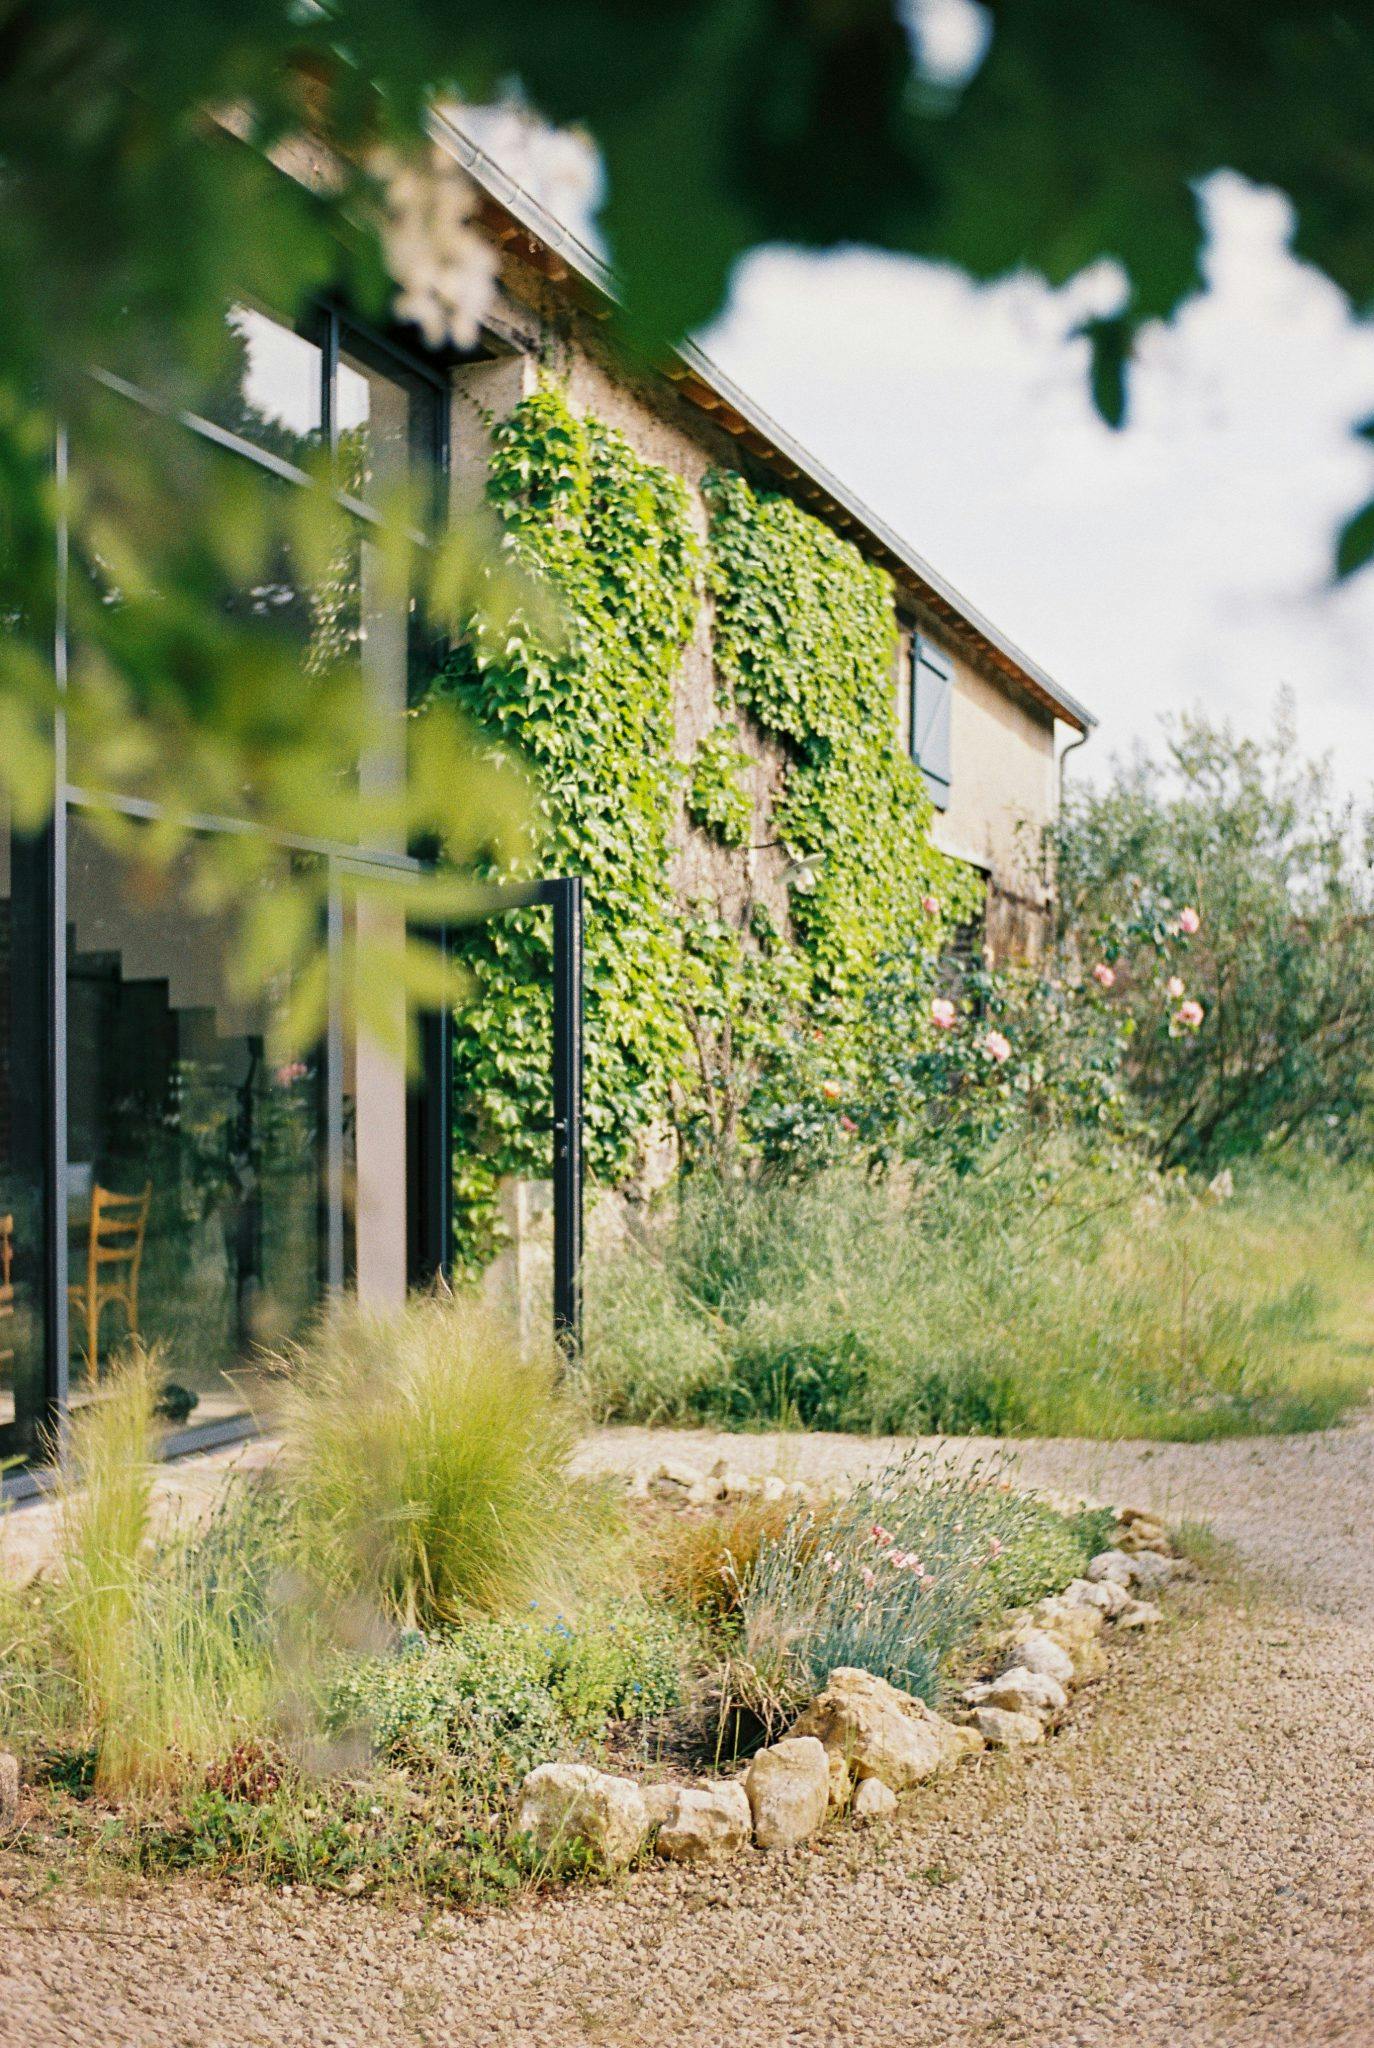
(1190, 1862)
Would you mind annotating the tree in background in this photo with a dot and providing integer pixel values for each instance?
(1226, 898)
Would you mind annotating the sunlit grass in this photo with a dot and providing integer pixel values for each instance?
(1102, 1305)
(428, 1460)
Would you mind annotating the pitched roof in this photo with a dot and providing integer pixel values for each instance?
(521, 224)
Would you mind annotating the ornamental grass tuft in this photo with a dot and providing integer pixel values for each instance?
(429, 1463)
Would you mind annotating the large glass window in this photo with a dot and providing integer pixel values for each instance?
(24, 1067)
(195, 1181)
(166, 1172)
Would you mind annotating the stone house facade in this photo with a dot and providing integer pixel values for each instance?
(983, 720)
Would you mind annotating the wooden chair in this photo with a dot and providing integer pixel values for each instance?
(6, 1284)
(114, 1246)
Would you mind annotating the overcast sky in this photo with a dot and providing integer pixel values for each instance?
(1182, 561)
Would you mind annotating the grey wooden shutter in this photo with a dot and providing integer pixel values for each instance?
(932, 686)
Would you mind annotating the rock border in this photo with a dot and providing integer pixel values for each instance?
(861, 1743)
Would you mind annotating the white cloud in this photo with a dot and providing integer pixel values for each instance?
(1181, 561)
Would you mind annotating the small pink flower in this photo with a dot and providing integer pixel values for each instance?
(294, 1070)
(847, 1123)
(1190, 1014)
(995, 1546)
(867, 1574)
(930, 905)
(881, 1536)
(831, 1090)
(830, 1561)
(1104, 975)
(942, 1013)
(1173, 988)
(1189, 921)
(996, 1047)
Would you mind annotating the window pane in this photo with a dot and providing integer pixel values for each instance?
(195, 1166)
(272, 394)
(381, 421)
(23, 1068)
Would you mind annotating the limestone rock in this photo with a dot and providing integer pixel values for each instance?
(874, 1801)
(1112, 1564)
(673, 1472)
(659, 1800)
(1020, 1691)
(1108, 1596)
(772, 1488)
(1076, 1630)
(841, 1785)
(789, 1791)
(9, 1791)
(1152, 1571)
(1003, 1730)
(1037, 1651)
(707, 1824)
(1138, 1614)
(562, 1803)
(969, 1739)
(880, 1731)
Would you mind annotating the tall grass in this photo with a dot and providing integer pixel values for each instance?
(167, 1651)
(1101, 1304)
(429, 1463)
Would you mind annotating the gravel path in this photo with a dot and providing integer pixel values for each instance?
(1189, 1864)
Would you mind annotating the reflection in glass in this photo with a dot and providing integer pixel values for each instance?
(376, 417)
(195, 1165)
(23, 1069)
(273, 391)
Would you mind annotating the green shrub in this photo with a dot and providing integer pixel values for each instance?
(428, 1460)
(502, 1696)
(1229, 873)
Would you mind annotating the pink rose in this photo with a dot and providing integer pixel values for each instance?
(1174, 987)
(930, 905)
(1190, 1014)
(1104, 975)
(1189, 921)
(996, 1047)
(942, 1013)
(847, 1123)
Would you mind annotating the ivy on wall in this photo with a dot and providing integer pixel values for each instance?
(718, 798)
(805, 639)
(593, 718)
(804, 644)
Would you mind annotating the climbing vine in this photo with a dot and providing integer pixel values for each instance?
(805, 638)
(718, 798)
(592, 715)
(733, 1030)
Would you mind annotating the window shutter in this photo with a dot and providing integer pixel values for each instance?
(932, 686)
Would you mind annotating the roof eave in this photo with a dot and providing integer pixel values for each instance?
(564, 257)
